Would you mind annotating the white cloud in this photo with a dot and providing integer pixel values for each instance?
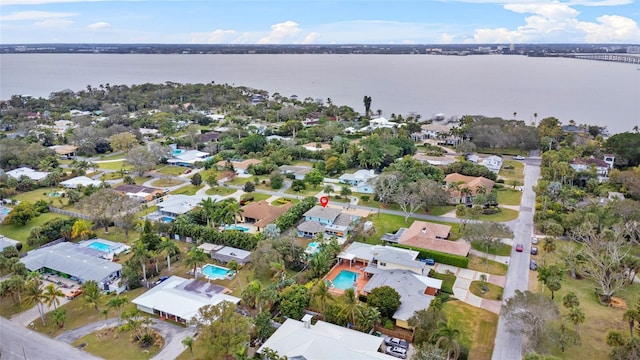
(310, 38)
(99, 25)
(35, 15)
(558, 22)
(218, 36)
(542, 2)
(41, 2)
(446, 38)
(281, 32)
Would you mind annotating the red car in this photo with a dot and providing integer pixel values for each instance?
(188, 171)
(519, 248)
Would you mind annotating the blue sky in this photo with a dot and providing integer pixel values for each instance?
(319, 22)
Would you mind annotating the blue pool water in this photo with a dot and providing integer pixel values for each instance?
(99, 246)
(5, 210)
(312, 248)
(236, 227)
(166, 219)
(214, 272)
(177, 152)
(345, 279)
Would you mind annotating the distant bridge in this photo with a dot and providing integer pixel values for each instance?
(624, 58)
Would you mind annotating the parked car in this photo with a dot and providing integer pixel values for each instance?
(397, 351)
(518, 157)
(160, 280)
(429, 262)
(396, 342)
(188, 171)
(534, 250)
(533, 265)
(519, 248)
(534, 240)
(74, 294)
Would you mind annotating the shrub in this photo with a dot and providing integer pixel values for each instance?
(444, 258)
(365, 198)
(388, 324)
(491, 210)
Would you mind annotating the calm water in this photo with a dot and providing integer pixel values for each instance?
(588, 92)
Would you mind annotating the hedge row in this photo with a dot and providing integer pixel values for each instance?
(238, 239)
(443, 258)
(293, 215)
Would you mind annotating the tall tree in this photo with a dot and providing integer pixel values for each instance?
(223, 332)
(51, 295)
(447, 338)
(91, 294)
(530, 315)
(141, 255)
(34, 295)
(169, 248)
(195, 257)
(487, 234)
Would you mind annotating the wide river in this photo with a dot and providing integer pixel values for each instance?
(589, 92)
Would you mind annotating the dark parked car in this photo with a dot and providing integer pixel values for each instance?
(533, 265)
(534, 250)
(519, 248)
(160, 280)
(396, 342)
(429, 262)
(397, 351)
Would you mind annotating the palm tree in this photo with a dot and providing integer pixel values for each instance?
(549, 246)
(271, 231)
(465, 192)
(631, 315)
(554, 283)
(170, 249)
(116, 303)
(141, 255)
(570, 300)
(51, 295)
(35, 295)
(251, 292)
(576, 315)
(350, 305)
(195, 257)
(188, 343)
(59, 316)
(233, 209)
(320, 295)
(328, 189)
(209, 206)
(91, 294)
(81, 228)
(447, 339)
(14, 286)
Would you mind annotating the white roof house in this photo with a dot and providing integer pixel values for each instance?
(379, 257)
(382, 123)
(28, 172)
(180, 204)
(493, 163)
(73, 183)
(357, 178)
(6, 242)
(180, 299)
(188, 158)
(83, 263)
(303, 340)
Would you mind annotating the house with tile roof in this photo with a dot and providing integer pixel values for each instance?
(261, 213)
(241, 167)
(601, 166)
(429, 236)
(456, 183)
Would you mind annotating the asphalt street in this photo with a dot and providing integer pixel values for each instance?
(17, 342)
(508, 346)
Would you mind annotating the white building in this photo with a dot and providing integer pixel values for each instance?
(28, 172)
(78, 181)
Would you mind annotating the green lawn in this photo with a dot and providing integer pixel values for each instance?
(517, 173)
(112, 156)
(493, 292)
(440, 210)
(115, 165)
(501, 249)
(309, 191)
(186, 190)
(8, 307)
(256, 196)
(220, 190)
(172, 170)
(477, 328)
(479, 263)
(283, 200)
(447, 280)
(21, 233)
(504, 215)
(509, 197)
(38, 194)
(382, 223)
(161, 183)
(104, 343)
(116, 234)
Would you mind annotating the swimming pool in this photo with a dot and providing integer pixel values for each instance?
(176, 152)
(166, 219)
(345, 279)
(236, 227)
(312, 248)
(5, 210)
(215, 272)
(100, 246)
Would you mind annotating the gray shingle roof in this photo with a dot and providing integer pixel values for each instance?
(323, 212)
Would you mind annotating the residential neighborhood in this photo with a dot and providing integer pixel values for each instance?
(193, 227)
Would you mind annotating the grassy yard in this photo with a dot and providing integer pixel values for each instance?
(517, 173)
(186, 190)
(172, 170)
(113, 344)
(116, 234)
(504, 215)
(501, 250)
(477, 263)
(21, 233)
(115, 165)
(477, 328)
(447, 280)
(599, 319)
(283, 200)
(220, 190)
(256, 196)
(40, 194)
(440, 210)
(382, 223)
(309, 191)
(493, 292)
(509, 197)
(166, 182)
(78, 314)
(112, 156)
(8, 307)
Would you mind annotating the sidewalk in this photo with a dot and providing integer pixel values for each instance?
(464, 277)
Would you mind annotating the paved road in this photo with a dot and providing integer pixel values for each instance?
(18, 342)
(507, 345)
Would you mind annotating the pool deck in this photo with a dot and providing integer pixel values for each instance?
(333, 273)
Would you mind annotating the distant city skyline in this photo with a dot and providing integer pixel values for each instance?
(319, 22)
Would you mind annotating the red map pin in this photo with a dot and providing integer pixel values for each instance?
(324, 201)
